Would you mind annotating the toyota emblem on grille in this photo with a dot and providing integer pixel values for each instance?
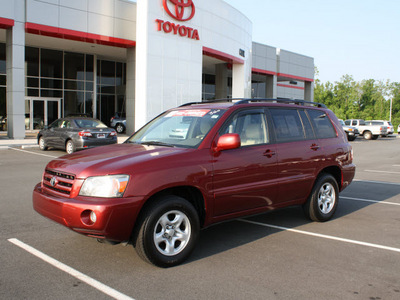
(53, 181)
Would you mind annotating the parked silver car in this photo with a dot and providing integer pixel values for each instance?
(118, 122)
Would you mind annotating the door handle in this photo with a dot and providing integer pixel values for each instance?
(269, 153)
(314, 147)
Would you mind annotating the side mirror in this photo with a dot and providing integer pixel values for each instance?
(228, 141)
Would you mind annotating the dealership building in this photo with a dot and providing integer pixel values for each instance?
(101, 57)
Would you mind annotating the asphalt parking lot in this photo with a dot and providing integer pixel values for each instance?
(279, 255)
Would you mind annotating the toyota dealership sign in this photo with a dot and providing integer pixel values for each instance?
(182, 11)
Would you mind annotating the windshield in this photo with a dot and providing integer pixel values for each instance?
(178, 128)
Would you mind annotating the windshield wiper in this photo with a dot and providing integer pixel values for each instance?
(155, 143)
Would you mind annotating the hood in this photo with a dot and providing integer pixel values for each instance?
(112, 159)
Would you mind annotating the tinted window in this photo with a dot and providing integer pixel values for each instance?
(250, 125)
(288, 125)
(307, 125)
(322, 124)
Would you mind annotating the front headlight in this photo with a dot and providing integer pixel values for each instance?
(111, 186)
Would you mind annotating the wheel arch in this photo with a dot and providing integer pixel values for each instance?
(335, 172)
(189, 193)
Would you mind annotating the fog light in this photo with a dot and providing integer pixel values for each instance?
(93, 217)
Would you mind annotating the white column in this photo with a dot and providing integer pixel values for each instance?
(241, 79)
(15, 62)
(130, 91)
(309, 91)
(221, 81)
(271, 88)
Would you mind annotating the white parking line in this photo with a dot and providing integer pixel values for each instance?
(377, 171)
(323, 236)
(367, 200)
(33, 153)
(377, 182)
(82, 277)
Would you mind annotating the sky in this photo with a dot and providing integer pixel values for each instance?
(354, 37)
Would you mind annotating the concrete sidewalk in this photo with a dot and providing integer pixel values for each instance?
(30, 140)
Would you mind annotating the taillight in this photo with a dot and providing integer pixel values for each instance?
(113, 133)
(85, 133)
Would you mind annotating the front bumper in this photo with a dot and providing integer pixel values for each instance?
(115, 217)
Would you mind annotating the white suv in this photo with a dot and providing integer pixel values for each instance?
(390, 128)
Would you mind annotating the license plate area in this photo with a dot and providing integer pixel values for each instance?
(101, 136)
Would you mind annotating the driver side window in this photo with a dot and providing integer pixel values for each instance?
(251, 126)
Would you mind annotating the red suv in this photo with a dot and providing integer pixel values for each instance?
(197, 165)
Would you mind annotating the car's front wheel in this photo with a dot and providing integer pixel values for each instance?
(324, 198)
(70, 147)
(42, 144)
(168, 231)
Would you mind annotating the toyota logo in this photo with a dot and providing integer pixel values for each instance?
(53, 181)
(181, 10)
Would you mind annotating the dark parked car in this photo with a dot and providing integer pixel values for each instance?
(76, 133)
(230, 160)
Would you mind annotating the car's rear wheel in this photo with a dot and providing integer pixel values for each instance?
(120, 128)
(42, 144)
(322, 203)
(168, 231)
(368, 135)
(70, 147)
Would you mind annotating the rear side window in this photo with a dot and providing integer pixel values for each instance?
(322, 124)
(288, 125)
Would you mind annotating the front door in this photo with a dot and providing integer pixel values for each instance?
(245, 178)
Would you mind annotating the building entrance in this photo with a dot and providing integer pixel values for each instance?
(40, 112)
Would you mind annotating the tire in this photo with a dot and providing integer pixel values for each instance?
(368, 135)
(351, 138)
(322, 203)
(42, 144)
(375, 137)
(70, 147)
(120, 128)
(168, 232)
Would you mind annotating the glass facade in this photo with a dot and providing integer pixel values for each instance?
(70, 76)
(209, 86)
(111, 85)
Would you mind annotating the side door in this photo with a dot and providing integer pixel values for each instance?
(245, 178)
(297, 151)
(60, 133)
(52, 132)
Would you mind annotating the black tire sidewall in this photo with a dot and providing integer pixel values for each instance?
(312, 207)
(153, 214)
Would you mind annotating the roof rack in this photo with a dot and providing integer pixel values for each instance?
(281, 100)
(253, 100)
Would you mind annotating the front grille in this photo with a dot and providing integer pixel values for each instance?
(58, 182)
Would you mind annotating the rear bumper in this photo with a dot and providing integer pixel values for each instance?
(90, 143)
(115, 217)
(348, 173)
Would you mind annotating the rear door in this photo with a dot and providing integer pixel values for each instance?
(298, 153)
(245, 178)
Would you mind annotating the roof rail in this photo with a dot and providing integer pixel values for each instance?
(253, 100)
(282, 100)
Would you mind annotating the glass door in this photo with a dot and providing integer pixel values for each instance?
(40, 112)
